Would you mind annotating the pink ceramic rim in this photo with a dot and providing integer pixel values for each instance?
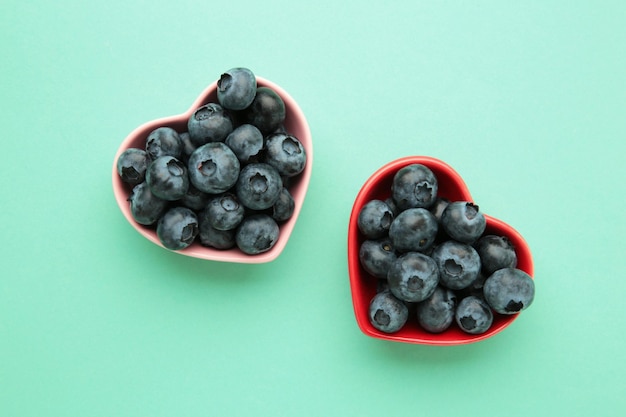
(359, 279)
(294, 116)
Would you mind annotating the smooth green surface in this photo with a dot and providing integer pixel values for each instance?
(526, 100)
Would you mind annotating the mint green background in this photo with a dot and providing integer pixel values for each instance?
(526, 100)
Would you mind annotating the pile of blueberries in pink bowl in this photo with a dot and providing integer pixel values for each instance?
(224, 181)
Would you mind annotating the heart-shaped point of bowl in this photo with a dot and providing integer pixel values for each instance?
(295, 123)
(364, 286)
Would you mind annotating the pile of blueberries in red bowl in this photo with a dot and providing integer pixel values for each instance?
(426, 265)
(224, 181)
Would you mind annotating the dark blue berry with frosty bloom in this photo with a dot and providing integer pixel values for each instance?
(178, 228)
(387, 313)
(473, 315)
(167, 178)
(413, 277)
(414, 186)
(509, 290)
(375, 219)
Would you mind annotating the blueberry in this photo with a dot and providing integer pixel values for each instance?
(438, 207)
(213, 238)
(246, 141)
(256, 234)
(374, 219)
(413, 277)
(459, 264)
(414, 186)
(437, 210)
(266, 112)
(387, 313)
(188, 146)
(164, 141)
(413, 230)
(283, 208)
(224, 212)
(259, 186)
(167, 178)
(376, 256)
(436, 313)
(236, 88)
(509, 290)
(177, 228)
(145, 207)
(496, 252)
(285, 153)
(213, 168)
(132, 165)
(195, 199)
(473, 315)
(463, 221)
(209, 123)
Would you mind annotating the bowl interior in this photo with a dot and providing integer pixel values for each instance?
(295, 123)
(363, 285)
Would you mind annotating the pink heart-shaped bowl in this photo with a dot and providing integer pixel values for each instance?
(363, 286)
(295, 123)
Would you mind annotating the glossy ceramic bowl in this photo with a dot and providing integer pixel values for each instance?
(295, 123)
(363, 286)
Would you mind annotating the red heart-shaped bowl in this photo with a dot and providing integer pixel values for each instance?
(295, 123)
(363, 286)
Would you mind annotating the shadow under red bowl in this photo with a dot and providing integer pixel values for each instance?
(295, 123)
(363, 285)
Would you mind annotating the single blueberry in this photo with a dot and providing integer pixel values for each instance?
(164, 141)
(387, 313)
(266, 112)
(178, 228)
(209, 123)
(236, 88)
(376, 256)
(496, 252)
(213, 168)
(463, 221)
(458, 263)
(413, 277)
(283, 208)
(195, 199)
(509, 290)
(259, 186)
(132, 165)
(145, 207)
(224, 212)
(374, 219)
(414, 186)
(188, 146)
(213, 238)
(256, 234)
(413, 230)
(246, 141)
(285, 153)
(473, 315)
(168, 178)
(436, 313)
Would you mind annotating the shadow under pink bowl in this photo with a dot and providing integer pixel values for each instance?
(363, 286)
(295, 123)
